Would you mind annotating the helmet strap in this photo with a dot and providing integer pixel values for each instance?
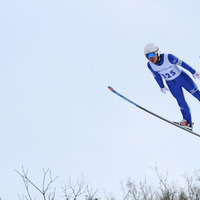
(159, 57)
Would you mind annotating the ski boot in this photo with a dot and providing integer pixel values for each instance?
(185, 124)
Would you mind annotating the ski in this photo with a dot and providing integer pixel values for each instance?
(158, 116)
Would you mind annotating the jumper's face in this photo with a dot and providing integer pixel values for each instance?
(153, 57)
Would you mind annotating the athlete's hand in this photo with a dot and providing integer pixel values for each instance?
(196, 75)
(164, 90)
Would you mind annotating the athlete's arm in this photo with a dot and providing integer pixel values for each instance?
(157, 76)
(174, 60)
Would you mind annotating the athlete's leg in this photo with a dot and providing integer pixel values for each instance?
(177, 92)
(189, 85)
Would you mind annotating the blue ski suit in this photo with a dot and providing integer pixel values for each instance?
(176, 79)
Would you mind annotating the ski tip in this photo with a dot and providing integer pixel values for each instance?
(110, 88)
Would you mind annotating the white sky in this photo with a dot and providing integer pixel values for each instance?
(57, 59)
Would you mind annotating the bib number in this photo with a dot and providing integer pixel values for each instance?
(169, 75)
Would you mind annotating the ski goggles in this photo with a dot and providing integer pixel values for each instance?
(151, 55)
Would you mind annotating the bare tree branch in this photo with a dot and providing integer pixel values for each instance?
(26, 179)
(90, 194)
(44, 189)
(74, 190)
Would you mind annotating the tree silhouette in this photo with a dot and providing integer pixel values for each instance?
(79, 189)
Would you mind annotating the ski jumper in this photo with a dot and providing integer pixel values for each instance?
(176, 79)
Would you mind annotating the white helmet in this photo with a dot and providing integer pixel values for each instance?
(149, 48)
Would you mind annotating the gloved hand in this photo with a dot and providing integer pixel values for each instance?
(164, 90)
(196, 75)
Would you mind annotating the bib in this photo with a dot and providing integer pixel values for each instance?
(167, 70)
